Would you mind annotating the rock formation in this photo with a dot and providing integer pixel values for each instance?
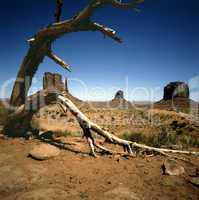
(54, 81)
(119, 101)
(176, 97)
(66, 86)
(175, 90)
(119, 95)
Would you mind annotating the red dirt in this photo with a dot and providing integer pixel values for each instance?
(80, 176)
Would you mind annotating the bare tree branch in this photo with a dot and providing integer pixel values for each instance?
(131, 5)
(39, 44)
(106, 31)
(58, 60)
(88, 11)
(58, 11)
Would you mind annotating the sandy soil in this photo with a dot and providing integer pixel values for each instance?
(80, 176)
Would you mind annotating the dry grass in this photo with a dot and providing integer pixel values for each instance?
(164, 138)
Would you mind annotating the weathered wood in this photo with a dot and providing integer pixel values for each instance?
(24, 77)
(58, 11)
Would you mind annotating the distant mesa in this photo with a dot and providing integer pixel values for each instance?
(176, 97)
(119, 95)
(176, 90)
(54, 82)
(119, 101)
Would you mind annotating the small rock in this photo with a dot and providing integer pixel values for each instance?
(44, 152)
(172, 168)
(194, 181)
(29, 135)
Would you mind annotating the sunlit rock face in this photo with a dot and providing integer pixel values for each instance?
(54, 81)
(175, 90)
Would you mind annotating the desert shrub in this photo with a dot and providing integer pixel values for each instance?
(136, 137)
(189, 141)
(163, 138)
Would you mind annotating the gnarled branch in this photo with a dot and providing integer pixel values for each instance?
(105, 30)
(58, 60)
(58, 11)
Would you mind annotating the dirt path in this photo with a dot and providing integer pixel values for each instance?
(79, 176)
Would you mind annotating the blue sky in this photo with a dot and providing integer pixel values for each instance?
(161, 44)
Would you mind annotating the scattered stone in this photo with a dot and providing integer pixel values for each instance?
(119, 193)
(194, 181)
(44, 152)
(172, 168)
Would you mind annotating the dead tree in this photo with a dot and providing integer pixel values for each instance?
(58, 11)
(41, 43)
(41, 46)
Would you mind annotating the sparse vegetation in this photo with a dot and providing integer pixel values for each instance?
(83, 195)
(164, 139)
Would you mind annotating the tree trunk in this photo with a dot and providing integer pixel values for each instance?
(26, 73)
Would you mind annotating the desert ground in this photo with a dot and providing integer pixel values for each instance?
(74, 174)
(80, 176)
